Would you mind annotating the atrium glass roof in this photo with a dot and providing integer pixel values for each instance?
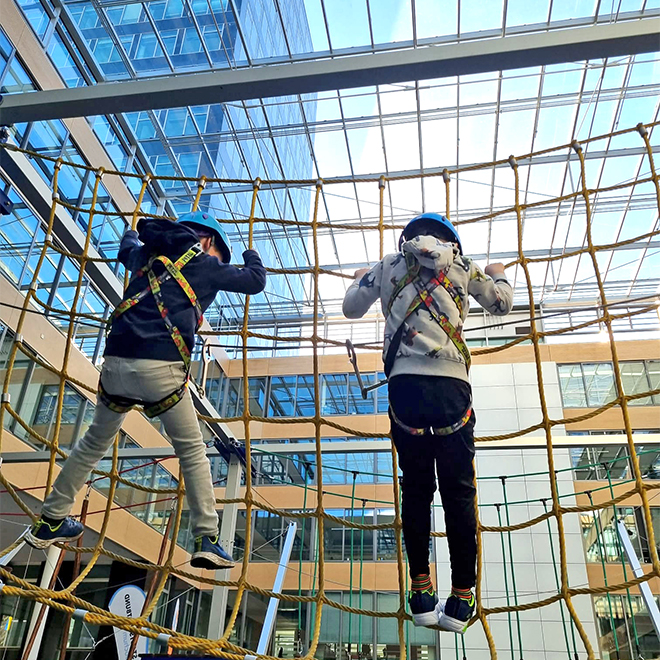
(414, 127)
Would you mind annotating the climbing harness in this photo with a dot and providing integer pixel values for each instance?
(424, 297)
(434, 430)
(121, 404)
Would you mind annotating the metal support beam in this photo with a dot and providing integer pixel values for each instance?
(227, 532)
(549, 159)
(357, 445)
(437, 61)
(649, 599)
(271, 612)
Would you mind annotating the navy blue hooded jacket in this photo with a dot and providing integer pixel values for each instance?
(140, 332)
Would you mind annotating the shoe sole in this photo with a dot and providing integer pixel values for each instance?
(210, 561)
(449, 624)
(425, 619)
(43, 544)
(429, 618)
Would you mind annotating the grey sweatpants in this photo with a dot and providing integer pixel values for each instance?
(146, 380)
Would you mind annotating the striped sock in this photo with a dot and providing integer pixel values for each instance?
(463, 594)
(422, 583)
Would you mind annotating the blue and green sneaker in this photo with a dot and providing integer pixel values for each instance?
(425, 607)
(457, 613)
(210, 555)
(43, 534)
(423, 601)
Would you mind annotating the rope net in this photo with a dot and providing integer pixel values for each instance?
(65, 600)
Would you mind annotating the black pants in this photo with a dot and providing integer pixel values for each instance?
(435, 401)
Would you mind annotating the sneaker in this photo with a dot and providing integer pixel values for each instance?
(456, 614)
(209, 554)
(425, 607)
(42, 535)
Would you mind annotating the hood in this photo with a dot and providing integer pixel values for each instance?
(165, 237)
(431, 252)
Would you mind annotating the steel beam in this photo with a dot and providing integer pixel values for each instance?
(436, 61)
(356, 445)
(549, 159)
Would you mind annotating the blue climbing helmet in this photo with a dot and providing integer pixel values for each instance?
(431, 221)
(200, 220)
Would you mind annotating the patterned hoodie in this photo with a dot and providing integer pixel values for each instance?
(425, 348)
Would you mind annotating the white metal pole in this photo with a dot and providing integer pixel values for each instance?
(227, 533)
(648, 597)
(271, 612)
(51, 562)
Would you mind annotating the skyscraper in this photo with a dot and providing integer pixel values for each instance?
(90, 43)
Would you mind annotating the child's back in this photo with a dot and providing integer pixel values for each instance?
(424, 296)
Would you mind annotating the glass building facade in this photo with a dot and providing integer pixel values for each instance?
(89, 43)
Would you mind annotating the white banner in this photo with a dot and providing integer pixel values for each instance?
(128, 601)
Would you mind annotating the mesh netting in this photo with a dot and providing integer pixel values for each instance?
(65, 599)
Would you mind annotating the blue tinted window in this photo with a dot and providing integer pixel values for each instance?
(305, 396)
(5, 48)
(113, 229)
(282, 396)
(599, 383)
(357, 404)
(257, 394)
(383, 400)
(16, 236)
(36, 16)
(64, 63)
(84, 15)
(47, 138)
(15, 79)
(70, 181)
(110, 140)
(333, 394)
(234, 399)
